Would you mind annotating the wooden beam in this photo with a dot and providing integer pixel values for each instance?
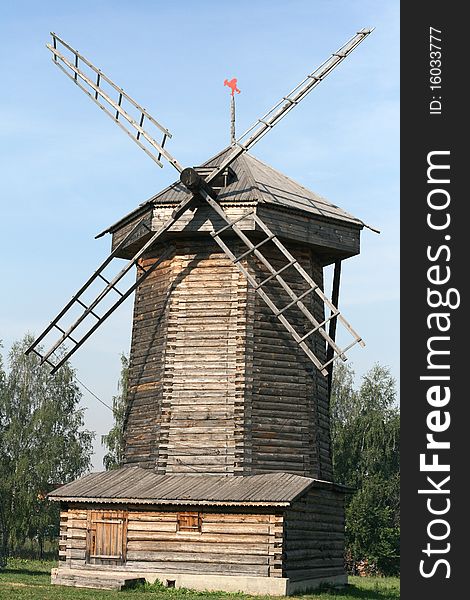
(332, 328)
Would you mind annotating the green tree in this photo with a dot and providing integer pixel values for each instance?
(113, 441)
(365, 441)
(42, 444)
(4, 466)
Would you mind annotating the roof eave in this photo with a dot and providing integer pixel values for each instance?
(125, 219)
(289, 210)
(156, 501)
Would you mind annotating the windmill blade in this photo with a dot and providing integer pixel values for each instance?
(287, 103)
(68, 338)
(261, 127)
(118, 108)
(295, 300)
(91, 314)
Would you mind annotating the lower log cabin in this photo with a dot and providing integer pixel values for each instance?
(275, 533)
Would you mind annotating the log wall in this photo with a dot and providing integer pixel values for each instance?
(288, 396)
(204, 363)
(187, 363)
(233, 542)
(216, 384)
(143, 421)
(314, 536)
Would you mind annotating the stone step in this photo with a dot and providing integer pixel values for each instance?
(105, 581)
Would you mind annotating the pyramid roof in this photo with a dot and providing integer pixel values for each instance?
(254, 181)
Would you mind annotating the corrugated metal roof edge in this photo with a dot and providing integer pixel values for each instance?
(317, 483)
(85, 499)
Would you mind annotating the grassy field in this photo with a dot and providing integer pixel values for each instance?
(29, 580)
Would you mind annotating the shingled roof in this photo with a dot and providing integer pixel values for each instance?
(254, 181)
(142, 486)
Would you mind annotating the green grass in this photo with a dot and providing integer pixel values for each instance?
(30, 580)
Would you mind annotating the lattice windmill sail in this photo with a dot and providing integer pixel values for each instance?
(143, 130)
(113, 107)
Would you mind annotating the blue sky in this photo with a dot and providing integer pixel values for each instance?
(68, 171)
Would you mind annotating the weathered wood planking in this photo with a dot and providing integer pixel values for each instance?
(288, 406)
(330, 239)
(199, 219)
(235, 542)
(303, 541)
(187, 363)
(314, 536)
(216, 384)
(143, 420)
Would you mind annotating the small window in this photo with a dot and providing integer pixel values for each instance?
(189, 521)
(223, 179)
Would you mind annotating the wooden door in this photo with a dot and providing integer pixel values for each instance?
(106, 537)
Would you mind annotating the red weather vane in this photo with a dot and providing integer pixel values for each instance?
(232, 84)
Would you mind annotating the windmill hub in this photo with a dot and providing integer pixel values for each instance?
(196, 184)
(190, 178)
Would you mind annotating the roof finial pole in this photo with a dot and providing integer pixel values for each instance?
(232, 119)
(232, 84)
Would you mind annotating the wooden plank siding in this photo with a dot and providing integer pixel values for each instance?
(198, 221)
(314, 536)
(303, 541)
(331, 240)
(63, 535)
(232, 542)
(216, 384)
(187, 364)
(289, 414)
(326, 238)
(146, 369)
(204, 368)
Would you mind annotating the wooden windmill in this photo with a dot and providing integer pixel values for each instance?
(233, 342)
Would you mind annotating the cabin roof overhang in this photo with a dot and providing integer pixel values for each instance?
(134, 485)
(295, 213)
(157, 502)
